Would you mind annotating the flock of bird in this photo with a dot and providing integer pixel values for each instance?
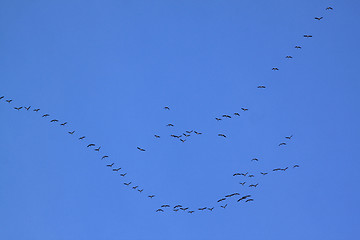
(182, 137)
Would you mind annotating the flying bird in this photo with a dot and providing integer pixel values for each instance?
(135, 187)
(151, 196)
(186, 135)
(261, 86)
(45, 115)
(127, 184)
(275, 69)
(298, 47)
(110, 165)
(175, 210)
(81, 138)
(103, 157)
(36, 110)
(182, 140)
(253, 185)
(117, 169)
(2, 97)
(227, 116)
(97, 149)
(224, 206)
(288, 57)
(54, 120)
(18, 108)
(329, 8)
(166, 108)
(237, 114)
(191, 211)
(244, 109)
(282, 144)
(123, 174)
(63, 124)
(295, 166)
(91, 145)
(157, 136)
(159, 210)
(263, 173)
(141, 149)
(165, 205)
(210, 209)
(9, 101)
(221, 135)
(71, 132)
(189, 131)
(218, 119)
(318, 18)
(308, 36)
(236, 174)
(276, 169)
(177, 206)
(202, 209)
(170, 125)
(220, 200)
(283, 169)
(251, 175)
(242, 183)
(27, 108)
(198, 133)
(289, 137)
(255, 159)
(249, 200)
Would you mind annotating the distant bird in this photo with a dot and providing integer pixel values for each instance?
(246, 196)
(275, 69)
(18, 108)
(2, 97)
(97, 149)
(159, 210)
(117, 169)
(249, 200)
(329, 8)
(210, 209)
(263, 173)
(261, 86)
(189, 131)
(318, 18)
(298, 47)
(166, 108)
(141, 149)
(224, 206)
(123, 174)
(9, 101)
(110, 165)
(220, 200)
(36, 110)
(186, 135)
(221, 135)
(236, 174)
(45, 115)
(218, 119)
(177, 206)
(288, 57)
(227, 116)
(157, 136)
(165, 206)
(27, 108)
(251, 175)
(182, 140)
(295, 166)
(103, 157)
(233, 194)
(253, 185)
(81, 138)
(91, 145)
(191, 211)
(308, 36)
(63, 124)
(197, 133)
(54, 120)
(202, 209)
(151, 196)
(175, 210)
(289, 137)
(242, 183)
(283, 169)
(244, 109)
(175, 136)
(276, 169)
(127, 184)
(135, 187)
(184, 209)
(237, 114)
(71, 132)
(282, 144)
(170, 125)
(255, 159)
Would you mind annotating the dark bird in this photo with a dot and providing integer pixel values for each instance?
(175, 136)
(263, 173)
(224, 206)
(282, 144)
(189, 131)
(117, 169)
(295, 166)
(298, 47)
(141, 149)
(123, 174)
(110, 165)
(289, 137)
(27, 108)
(157, 136)
(246, 196)
(242, 198)
(159, 210)
(288, 57)
(244, 174)
(186, 135)
(210, 209)
(244, 109)
(166, 108)
(2, 97)
(275, 69)
(9, 101)
(276, 169)
(182, 140)
(261, 86)
(45, 115)
(165, 206)
(227, 116)
(91, 145)
(237, 114)
(54, 120)
(198, 133)
(18, 108)
(191, 211)
(221, 135)
(249, 200)
(329, 8)
(251, 175)
(255, 159)
(103, 157)
(36, 110)
(308, 36)
(318, 18)
(97, 149)
(202, 209)
(253, 185)
(170, 125)
(236, 174)
(63, 124)
(221, 199)
(175, 210)
(127, 184)
(151, 196)
(218, 119)
(135, 187)
(184, 209)
(71, 132)
(284, 169)
(140, 190)
(177, 206)
(81, 138)
(243, 183)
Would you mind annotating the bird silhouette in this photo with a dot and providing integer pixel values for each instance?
(282, 144)
(202, 209)
(63, 124)
(263, 173)
(2, 97)
(91, 145)
(307, 36)
(289, 137)
(218, 119)
(18, 108)
(329, 8)
(151, 196)
(123, 174)
(244, 109)
(221, 135)
(251, 175)
(45, 115)
(81, 138)
(54, 120)
(71, 132)
(166, 108)
(135, 187)
(159, 210)
(261, 86)
(163, 206)
(127, 184)
(288, 57)
(110, 165)
(157, 136)
(97, 149)
(117, 169)
(295, 166)
(170, 125)
(237, 114)
(298, 47)
(36, 110)
(224, 206)
(318, 18)
(255, 159)
(191, 211)
(210, 209)
(197, 133)
(141, 149)
(243, 183)
(275, 69)
(103, 157)
(9, 101)
(253, 185)
(227, 116)
(249, 200)
(222, 199)
(177, 206)
(182, 140)
(27, 108)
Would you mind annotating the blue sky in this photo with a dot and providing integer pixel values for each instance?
(109, 67)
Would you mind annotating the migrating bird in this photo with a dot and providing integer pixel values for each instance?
(288, 57)
(45, 115)
(249, 200)
(18, 108)
(135, 187)
(263, 173)
(295, 166)
(166, 108)
(191, 211)
(298, 47)
(177, 206)
(117, 169)
(165, 205)
(329, 8)
(91, 145)
(54, 120)
(189, 131)
(184, 209)
(9, 101)
(151, 196)
(157, 136)
(227, 116)
(282, 144)
(275, 69)
(242, 183)
(123, 174)
(244, 109)
(81, 138)
(141, 149)
(71, 132)
(261, 86)
(127, 184)
(103, 157)
(97, 149)
(186, 135)
(27, 108)
(251, 175)
(237, 114)
(289, 137)
(2, 97)
(221, 199)
(198, 133)
(308, 36)
(236, 174)
(159, 210)
(253, 185)
(183, 140)
(224, 206)
(36, 110)
(210, 209)
(172, 135)
(276, 169)
(170, 125)
(175, 210)
(283, 169)
(318, 18)
(110, 165)
(255, 159)
(202, 209)
(218, 119)
(63, 124)
(221, 135)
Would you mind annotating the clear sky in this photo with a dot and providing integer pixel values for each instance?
(108, 68)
